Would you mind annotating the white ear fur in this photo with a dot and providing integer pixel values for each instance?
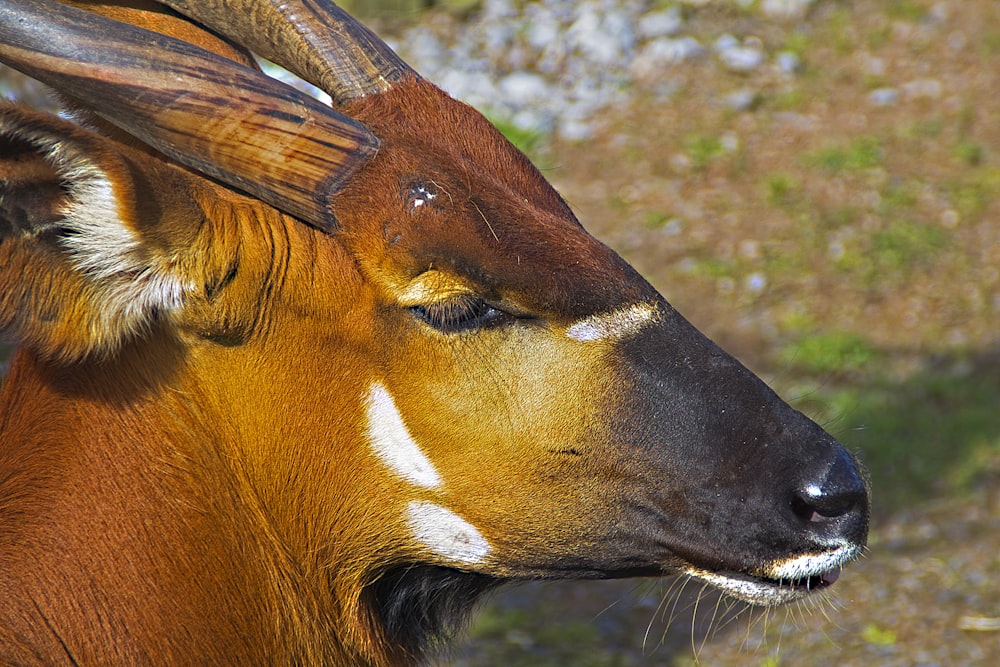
(112, 282)
(135, 283)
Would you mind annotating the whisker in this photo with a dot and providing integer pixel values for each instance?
(695, 648)
(711, 629)
(728, 619)
(656, 613)
(674, 612)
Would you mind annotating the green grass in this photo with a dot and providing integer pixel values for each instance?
(991, 43)
(969, 152)
(933, 434)
(782, 190)
(840, 25)
(925, 128)
(703, 149)
(857, 155)
(878, 636)
(896, 200)
(511, 633)
(789, 100)
(900, 248)
(713, 267)
(661, 220)
(798, 42)
(974, 191)
(531, 142)
(902, 243)
(839, 216)
(906, 10)
(829, 352)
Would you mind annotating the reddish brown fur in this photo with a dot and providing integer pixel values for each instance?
(490, 189)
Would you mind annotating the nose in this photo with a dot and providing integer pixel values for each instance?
(834, 502)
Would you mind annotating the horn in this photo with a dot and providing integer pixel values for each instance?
(314, 39)
(212, 114)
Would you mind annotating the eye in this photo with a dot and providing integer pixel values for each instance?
(459, 315)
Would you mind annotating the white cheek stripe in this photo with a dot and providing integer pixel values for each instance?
(392, 442)
(445, 533)
(614, 325)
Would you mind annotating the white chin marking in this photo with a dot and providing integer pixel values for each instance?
(613, 326)
(445, 533)
(747, 588)
(392, 442)
(808, 565)
(785, 579)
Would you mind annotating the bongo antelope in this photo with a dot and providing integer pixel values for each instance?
(298, 384)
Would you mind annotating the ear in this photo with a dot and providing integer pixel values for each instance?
(97, 241)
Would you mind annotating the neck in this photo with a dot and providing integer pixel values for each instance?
(164, 547)
(156, 554)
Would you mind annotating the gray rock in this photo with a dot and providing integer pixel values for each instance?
(523, 88)
(788, 62)
(737, 57)
(742, 99)
(663, 52)
(661, 24)
(785, 9)
(883, 97)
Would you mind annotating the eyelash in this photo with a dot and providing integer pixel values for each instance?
(460, 315)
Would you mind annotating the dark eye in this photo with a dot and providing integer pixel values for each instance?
(460, 315)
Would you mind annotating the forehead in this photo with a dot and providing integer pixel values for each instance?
(459, 198)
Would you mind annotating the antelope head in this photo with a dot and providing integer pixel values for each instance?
(380, 328)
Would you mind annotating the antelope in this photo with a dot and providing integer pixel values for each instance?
(300, 383)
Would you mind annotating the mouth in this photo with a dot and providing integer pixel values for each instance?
(782, 581)
(765, 591)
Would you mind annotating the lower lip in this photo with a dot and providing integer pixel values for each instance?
(764, 590)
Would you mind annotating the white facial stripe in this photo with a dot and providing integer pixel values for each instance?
(809, 565)
(615, 325)
(392, 442)
(445, 533)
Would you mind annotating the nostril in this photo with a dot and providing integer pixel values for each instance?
(815, 504)
(837, 491)
(803, 510)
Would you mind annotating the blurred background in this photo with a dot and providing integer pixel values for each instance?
(816, 185)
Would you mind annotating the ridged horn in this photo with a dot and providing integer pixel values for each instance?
(314, 39)
(205, 111)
